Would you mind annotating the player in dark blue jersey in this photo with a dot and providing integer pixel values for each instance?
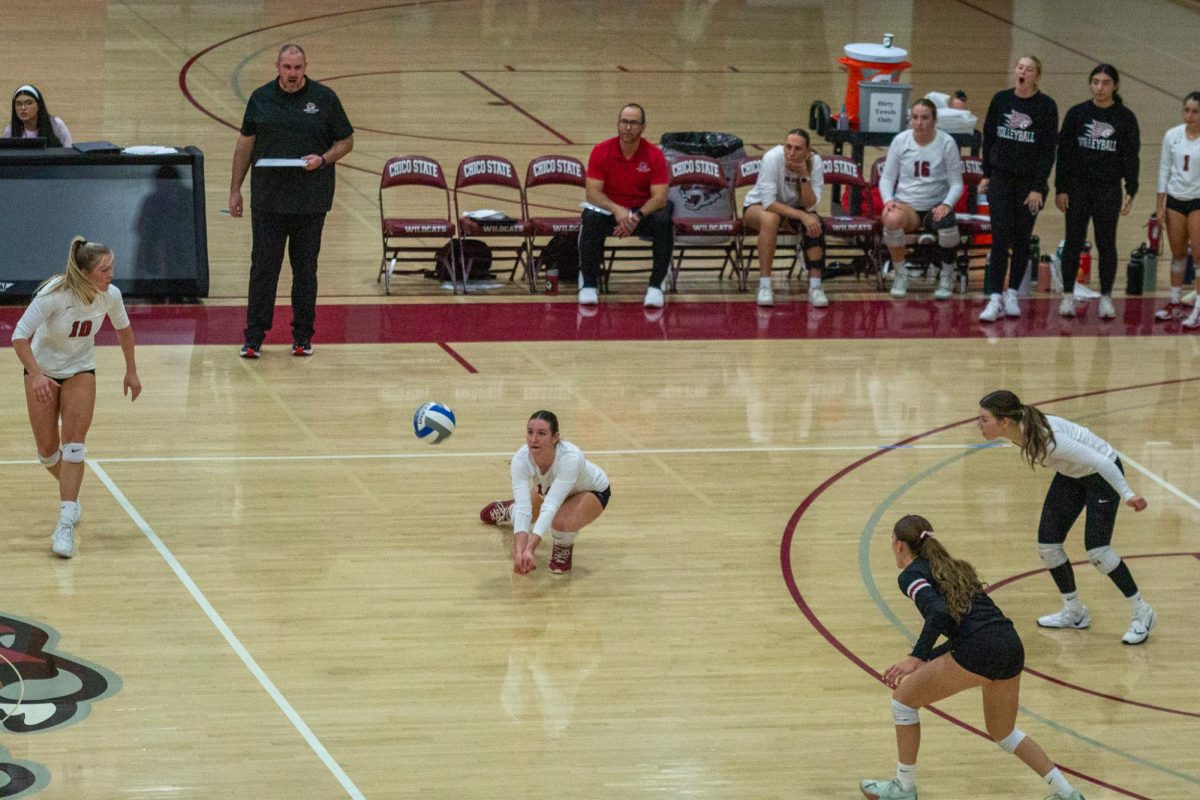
(981, 649)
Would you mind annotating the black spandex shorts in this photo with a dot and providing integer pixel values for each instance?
(994, 651)
(61, 381)
(1184, 207)
(603, 496)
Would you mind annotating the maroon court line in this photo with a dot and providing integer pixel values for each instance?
(1063, 45)
(789, 576)
(458, 357)
(513, 105)
(1083, 689)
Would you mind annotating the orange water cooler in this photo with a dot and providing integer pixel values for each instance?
(867, 61)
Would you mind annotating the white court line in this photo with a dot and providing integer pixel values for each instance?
(229, 635)
(1163, 482)
(509, 453)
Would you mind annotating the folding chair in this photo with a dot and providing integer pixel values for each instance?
(498, 173)
(404, 171)
(705, 226)
(550, 171)
(974, 227)
(744, 178)
(849, 234)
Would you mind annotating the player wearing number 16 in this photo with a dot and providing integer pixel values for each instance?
(55, 340)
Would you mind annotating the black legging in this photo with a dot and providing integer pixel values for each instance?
(1012, 225)
(1102, 205)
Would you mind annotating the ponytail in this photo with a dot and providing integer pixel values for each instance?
(956, 579)
(1036, 433)
(82, 257)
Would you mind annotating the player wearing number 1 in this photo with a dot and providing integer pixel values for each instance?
(921, 182)
(55, 341)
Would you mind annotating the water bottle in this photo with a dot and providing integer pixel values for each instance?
(1135, 272)
(1153, 234)
(843, 119)
(1045, 267)
(1085, 264)
(1189, 272)
(552, 280)
(1035, 253)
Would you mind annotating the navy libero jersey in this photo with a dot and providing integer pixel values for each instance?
(1099, 146)
(917, 582)
(1020, 136)
(306, 122)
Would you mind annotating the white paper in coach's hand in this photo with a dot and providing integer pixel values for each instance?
(279, 162)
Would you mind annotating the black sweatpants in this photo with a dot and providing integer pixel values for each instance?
(597, 227)
(1012, 225)
(301, 235)
(1102, 205)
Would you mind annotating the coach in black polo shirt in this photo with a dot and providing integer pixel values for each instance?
(291, 117)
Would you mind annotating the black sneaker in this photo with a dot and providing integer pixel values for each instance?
(302, 347)
(251, 351)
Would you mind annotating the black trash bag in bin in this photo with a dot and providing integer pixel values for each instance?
(703, 201)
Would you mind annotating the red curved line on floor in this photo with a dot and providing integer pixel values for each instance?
(1083, 689)
(789, 577)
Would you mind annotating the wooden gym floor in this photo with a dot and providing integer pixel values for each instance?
(281, 593)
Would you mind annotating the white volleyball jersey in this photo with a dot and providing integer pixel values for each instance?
(570, 474)
(1179, 165)
(63, 330)
(1077, 453)
(922, 177)
(778, 183)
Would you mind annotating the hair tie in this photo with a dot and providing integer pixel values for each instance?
(926, 533)
(27, 89)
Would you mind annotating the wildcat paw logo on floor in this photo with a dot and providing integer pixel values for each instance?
(41, 689)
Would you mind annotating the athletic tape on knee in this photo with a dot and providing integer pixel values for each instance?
(1179, 265)
(1104, 559)
(74, 452)
(50, 460)
(893, 237)
(904, 715)
(1053, 555)
(1009, 743)
(948, 238)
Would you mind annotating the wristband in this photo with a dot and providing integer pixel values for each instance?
(637, 212)
(323, 162)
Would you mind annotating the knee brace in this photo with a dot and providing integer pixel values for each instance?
(73, 452)
(50, 460)
(1104, 559)
(948, 238)
(904, 715)
(1179, 265)
(1053, 555)
(893, 237)
(1009, 743)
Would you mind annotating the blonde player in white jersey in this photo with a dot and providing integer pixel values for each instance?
(1088, 475)
(55, 340)
(568, 492)
(1179, 204)
(920, 183)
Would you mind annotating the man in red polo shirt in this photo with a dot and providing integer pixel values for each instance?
(627, 184)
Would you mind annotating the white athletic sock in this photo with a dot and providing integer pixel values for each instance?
(764, 280)
(813, 283)
(906, 776)
(1058, 783)
(1071, 600)
(1136, 602)
(67, 509)
(1176, 291)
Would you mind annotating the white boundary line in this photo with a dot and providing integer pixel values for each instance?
(229, 635)
(1164, 483)
(508, 453)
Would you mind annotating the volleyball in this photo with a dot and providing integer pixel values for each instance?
(433, 423)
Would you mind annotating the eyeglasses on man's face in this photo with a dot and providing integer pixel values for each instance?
(630, 123)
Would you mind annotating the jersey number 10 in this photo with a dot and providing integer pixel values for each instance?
(81, 327)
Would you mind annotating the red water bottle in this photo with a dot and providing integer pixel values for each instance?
(1153, 232)
(552, 281)
(1085, 264)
